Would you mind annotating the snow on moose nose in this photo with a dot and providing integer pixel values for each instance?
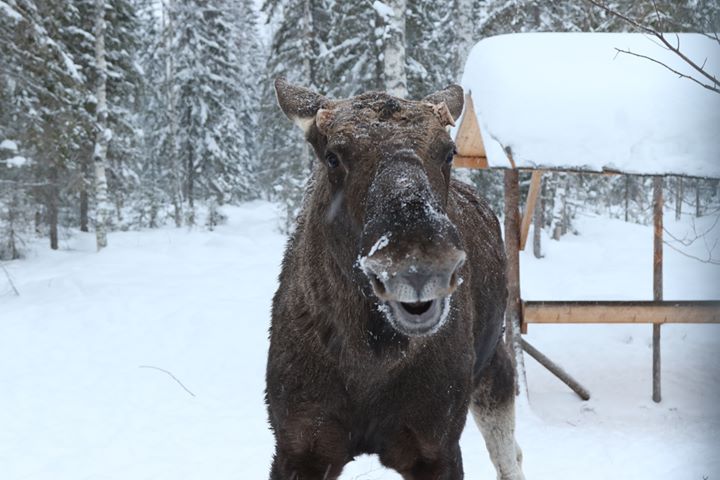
(416, 288)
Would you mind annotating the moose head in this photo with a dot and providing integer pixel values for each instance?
(383, 187)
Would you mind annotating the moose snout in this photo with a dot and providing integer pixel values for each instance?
(416, 289)
(415, 279)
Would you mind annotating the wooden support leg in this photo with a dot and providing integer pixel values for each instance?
(556, 370)
(512, 251)
(657, 278)
(657, 395)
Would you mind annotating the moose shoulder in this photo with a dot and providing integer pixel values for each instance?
(386, 326)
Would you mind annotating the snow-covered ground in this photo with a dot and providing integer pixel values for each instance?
(82, 395)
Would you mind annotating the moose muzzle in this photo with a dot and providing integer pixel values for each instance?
(414, 259)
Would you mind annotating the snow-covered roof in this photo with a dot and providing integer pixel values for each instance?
(571, 101)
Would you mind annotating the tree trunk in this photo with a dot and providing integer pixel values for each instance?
(627, 197)
(558, 207)
(103, 133)
(176, 175)
(393, 42)
(538, 221)
(84, 201)
(565, 211)
(52, 208)
(465, 34)
(190, 186)
(698, 209)
(678, 198)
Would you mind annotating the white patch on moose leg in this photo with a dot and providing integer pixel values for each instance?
(497, 426)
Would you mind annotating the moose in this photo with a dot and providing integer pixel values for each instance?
(387, 322)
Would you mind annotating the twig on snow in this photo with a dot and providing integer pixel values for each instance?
(10, 280)
(171, 375)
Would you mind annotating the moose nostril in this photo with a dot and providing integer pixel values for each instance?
(377, 284)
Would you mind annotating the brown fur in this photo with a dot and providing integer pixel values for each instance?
(341, 381)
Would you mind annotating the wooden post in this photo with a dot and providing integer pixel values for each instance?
(535, 183)
(512, 251)
(538, 222)
(556, 370)
(657, 278)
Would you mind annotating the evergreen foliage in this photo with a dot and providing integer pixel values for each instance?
(192, 111)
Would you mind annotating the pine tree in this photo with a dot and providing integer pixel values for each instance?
(432, 47)
(160, 181)
(292, 55)
(349, 57)
(206, 77)
(48, 86)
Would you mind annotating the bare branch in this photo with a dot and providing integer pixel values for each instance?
(10, 280)
(712, 88)
(171, 375)
(709, 260)
(675, 49)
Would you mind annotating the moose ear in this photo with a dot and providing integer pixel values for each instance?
(298, 103)
(452, 96)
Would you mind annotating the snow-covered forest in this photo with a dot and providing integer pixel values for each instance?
(126, 114)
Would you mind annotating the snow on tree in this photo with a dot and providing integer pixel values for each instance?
(294, 48)
(391, 35)
(432, 47)
(40, 70)
(206, 76)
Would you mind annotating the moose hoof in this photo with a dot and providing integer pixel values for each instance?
(514, 476)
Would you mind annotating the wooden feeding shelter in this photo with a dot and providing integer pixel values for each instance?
(572, 102)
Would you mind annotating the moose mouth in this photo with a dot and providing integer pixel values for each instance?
(418, 318)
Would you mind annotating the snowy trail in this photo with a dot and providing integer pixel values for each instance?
(76, 403)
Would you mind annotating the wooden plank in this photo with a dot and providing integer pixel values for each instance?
(619, 312)
(470, 162)
(533, 192)
(468, 140)
(657, 279)
(556, 370)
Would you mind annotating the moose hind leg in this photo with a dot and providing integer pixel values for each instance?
(493, 408)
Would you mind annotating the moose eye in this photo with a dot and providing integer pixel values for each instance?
(332, 160)
(450, 156)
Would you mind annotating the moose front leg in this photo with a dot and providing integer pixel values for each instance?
(309, 447)
(415, 461)
(308, 467)
(493, 408)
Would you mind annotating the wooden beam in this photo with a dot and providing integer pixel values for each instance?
(556, 370)
(468, 140)
(656, 313)
(470, 162)
(535, 183)
(657, 278)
